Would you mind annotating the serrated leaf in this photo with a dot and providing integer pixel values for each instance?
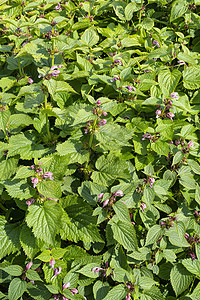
(124, 233)
(13, 270)
(90, 36)
(19, 188)
(193, 266)
(168, 80)
(45, 220)
(180, 278)
(160, 147)
(118, 292)
(154, 233)
(50, 189)
(100, 290)
(179, 7)
(16, 288)
(191, 78)
(33, 275)
(121, 211)
(28, 242)
(8, 168)
(9, 237)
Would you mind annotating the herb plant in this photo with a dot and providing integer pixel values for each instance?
(99, 150)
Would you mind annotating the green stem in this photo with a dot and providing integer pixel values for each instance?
(20, 70)
(52, 57)
(47, 120)
(2, 207)
(140, 15)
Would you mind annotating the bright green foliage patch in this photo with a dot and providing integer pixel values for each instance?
(100, 150)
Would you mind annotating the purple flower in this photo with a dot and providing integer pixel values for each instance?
(28, 266)
(192, 255)
(48, 175)
(146, 136)
(128, 297)
(102, 122)
(187, 236)
(174, 95)
(158, 113)
(190, 144)
(119, 193)
(181, 62)
(105, 202)
(34, 181)
(55, 73)
(30, 201)
(66, 285)
(30, 80)
(32, 167)
(74, 291)
(170, 115)
(96, 270)
(156, 43)
(151, 181)
(60, 66)
(100, 196)
(98, 103)
(57, 271)
(58, 6)
(52, 263)
(116, 77)
(53, 68)
(130, 88)
(143, 206)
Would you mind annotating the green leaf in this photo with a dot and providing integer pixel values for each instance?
(38, 291)
(28, 242)
(169, 255)
(179, 7)
(8, 168)
(124, 233)
(177, 235)
(50, 189)
(193, 266)
(154, 233)
(16, 288)
(13, 270)
(33, 275)
(177, 158)
(118, 292)
(9, 237)
(74, 151)
(90, 36)
(78, 223)
(121, 211)
(146, 282)
(19, 188)
(147, 23)
(160, 147)
(119, 7)
(194, 166)
(45, 219)
(154, 293)
(197, 194)
(110, 168)
(168, 80)
(4, 117)
(180, 278)
(90, 191)
(87, 270)
(100, 290)
(191, 78)
(130, 9)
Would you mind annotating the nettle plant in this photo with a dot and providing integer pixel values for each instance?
(99, 150)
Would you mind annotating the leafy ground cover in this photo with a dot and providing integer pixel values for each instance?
(99, 150)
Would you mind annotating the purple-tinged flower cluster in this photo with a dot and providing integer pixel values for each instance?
(169, 222)
(92, 126)
(130, 287)
(117, 61)
(30, 80)
(54, 72)
(130, 88)
(143, 206)
(58, 6)
(152, 138)
(115, 78)
(163, 113)
(108, 203)
(30, 201)
(193, 240)
(105, 270)
(39, 176)
(174, 95)
(156, 43)
(181, 62)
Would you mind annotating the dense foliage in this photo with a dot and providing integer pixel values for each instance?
(99, 150)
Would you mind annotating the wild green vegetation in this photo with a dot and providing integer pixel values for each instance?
(100, 150)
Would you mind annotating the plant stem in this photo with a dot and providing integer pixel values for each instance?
(20, 70)
(47, 120)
